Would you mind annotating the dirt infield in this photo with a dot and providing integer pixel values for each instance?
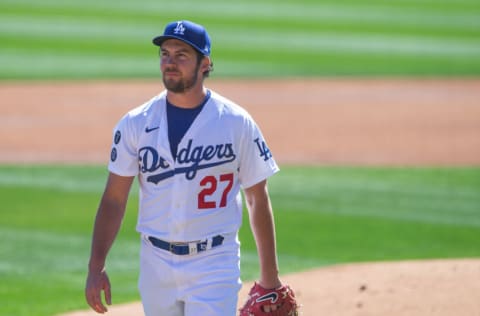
(388, 122)
(331, 121)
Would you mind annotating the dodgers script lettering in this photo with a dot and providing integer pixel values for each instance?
(194, 157)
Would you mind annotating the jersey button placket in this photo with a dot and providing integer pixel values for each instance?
(178, 188)
(177, 197)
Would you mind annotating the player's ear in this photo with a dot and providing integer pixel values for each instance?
(206, 65)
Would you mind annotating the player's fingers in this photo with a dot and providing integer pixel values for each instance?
(108, 293)
(99, 307)
(95, 302)
(270, 308)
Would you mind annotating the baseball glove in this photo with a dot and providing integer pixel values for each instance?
(275, 302)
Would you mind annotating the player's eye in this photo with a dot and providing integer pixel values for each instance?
(162, 53)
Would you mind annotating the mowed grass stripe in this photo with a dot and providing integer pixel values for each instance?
(436, 196)
(91, 179)
(48, 66)
(98, 38)
(245, 63)
(338, 238)
(341, 19)
(128, 23)
(114, 41)
(50, 268)
(119, 32)
(21, 247)
(413, 12)
(354, 42)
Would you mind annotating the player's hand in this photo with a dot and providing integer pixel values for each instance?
(96, 283)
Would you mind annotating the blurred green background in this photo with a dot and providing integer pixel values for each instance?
(57, 39)
(325, 215)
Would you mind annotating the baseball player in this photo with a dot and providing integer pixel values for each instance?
(192, 151)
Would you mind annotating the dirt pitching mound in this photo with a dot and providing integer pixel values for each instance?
(410, 288)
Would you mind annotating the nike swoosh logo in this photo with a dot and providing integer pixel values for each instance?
(272, 297)
(148, 130)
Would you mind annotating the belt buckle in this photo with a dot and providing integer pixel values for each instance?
(173, 246)
(192, 248)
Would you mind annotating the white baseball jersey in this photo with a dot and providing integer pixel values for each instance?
(196, 195)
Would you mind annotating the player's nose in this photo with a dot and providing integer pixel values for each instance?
(168, 60)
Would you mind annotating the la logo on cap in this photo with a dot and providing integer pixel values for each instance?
(179, 29)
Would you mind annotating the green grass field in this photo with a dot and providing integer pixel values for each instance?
(59, 39)
(324, 215)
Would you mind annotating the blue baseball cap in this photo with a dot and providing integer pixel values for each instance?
(188, 32)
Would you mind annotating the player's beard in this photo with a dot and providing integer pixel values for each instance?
(182, 84)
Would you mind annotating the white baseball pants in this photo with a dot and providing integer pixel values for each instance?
(202, 284)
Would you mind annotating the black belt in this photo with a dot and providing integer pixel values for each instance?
(186, 248)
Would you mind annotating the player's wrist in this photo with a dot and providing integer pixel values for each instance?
(269, 284)
(96, 267)
(269, 276)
